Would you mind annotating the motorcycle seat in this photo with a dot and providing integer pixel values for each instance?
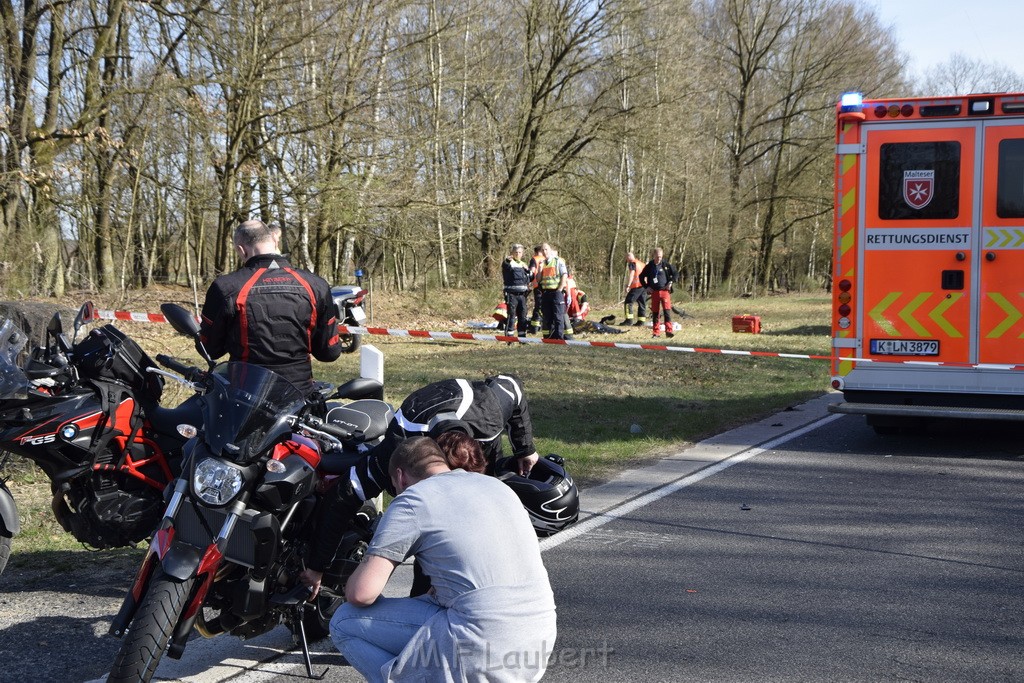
(166, 420)
(366, 419)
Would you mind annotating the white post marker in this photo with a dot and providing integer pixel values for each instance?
(371, 366)
(371, 362)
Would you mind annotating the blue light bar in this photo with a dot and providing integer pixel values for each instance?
(851, 101)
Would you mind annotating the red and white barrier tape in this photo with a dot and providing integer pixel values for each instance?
(423, 334)
(469, 336)
(136, 317)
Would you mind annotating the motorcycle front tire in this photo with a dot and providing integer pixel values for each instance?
(147, 638)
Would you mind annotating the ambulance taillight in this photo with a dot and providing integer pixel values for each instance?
(844, 309)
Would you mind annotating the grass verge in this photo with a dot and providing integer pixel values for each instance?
(602, 409)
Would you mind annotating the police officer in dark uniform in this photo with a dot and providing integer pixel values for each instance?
(268, 312)
(515, 275)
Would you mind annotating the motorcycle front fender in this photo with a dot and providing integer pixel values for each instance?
(181, 561)
(9, 523)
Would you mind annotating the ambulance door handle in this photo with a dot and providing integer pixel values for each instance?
(990, 256)
(961, 256)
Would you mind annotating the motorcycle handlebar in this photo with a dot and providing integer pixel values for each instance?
(327, 428)
(188, 372)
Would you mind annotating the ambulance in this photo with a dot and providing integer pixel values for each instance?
(928, 259)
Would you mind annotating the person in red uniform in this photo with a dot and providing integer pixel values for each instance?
(268, 312)
(657, 277)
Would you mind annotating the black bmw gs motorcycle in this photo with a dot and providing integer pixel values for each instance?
(88, 414)
(238, 521)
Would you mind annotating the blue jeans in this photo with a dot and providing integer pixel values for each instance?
(370, 637)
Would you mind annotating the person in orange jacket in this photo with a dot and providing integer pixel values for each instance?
(635, 293)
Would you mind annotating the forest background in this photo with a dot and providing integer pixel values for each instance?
(415, 139)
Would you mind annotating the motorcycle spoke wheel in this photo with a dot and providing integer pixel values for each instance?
(151, 629)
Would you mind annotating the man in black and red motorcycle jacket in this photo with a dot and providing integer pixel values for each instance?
(483, 409)
(268, 312)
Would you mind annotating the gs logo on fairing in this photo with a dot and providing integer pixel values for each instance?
(38, 440)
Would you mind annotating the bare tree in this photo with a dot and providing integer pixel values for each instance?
(961, 75)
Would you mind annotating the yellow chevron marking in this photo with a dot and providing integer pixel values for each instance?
(1004, 237)
(1012, 316)
(937, 315)
(845, 366)
(883, 322)
(849, 201)
(907, 314)
(846, 243)
(848, 161)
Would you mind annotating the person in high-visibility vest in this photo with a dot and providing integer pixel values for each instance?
(635, 293)
(535, 265)
(553, 282)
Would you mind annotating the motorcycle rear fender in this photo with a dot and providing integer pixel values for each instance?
(9, 524)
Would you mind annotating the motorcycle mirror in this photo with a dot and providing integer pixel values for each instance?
(184, 323)
(87, 313)
(55, 331)
(56, 325)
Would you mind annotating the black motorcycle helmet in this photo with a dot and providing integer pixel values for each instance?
(549, 494)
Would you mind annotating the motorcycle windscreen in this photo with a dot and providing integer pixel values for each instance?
(13, 382)
(247, 403)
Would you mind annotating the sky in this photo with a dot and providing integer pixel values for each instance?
(929, 31)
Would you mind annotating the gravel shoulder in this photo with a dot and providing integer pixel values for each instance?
(54, 618)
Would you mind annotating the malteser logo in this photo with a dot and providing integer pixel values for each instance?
(918, 188)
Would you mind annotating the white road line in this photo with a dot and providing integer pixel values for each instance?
(656, 494)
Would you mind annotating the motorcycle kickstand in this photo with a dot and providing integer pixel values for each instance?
(299, 609)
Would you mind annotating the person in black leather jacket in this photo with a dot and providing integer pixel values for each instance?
(268, 312)
(483, 409)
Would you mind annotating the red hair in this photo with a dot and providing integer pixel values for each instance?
(462, 451)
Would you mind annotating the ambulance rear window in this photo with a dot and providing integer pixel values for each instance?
(1010, 186)
(919, 180)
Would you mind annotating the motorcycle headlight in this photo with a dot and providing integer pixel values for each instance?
(216, 482)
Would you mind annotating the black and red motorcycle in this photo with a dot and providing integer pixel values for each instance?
(239, 519)
(88, 415)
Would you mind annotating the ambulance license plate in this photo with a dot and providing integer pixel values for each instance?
(905, 347)
(357, 314)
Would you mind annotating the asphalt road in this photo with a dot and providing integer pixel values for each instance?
(839, 556)
(829, 554)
